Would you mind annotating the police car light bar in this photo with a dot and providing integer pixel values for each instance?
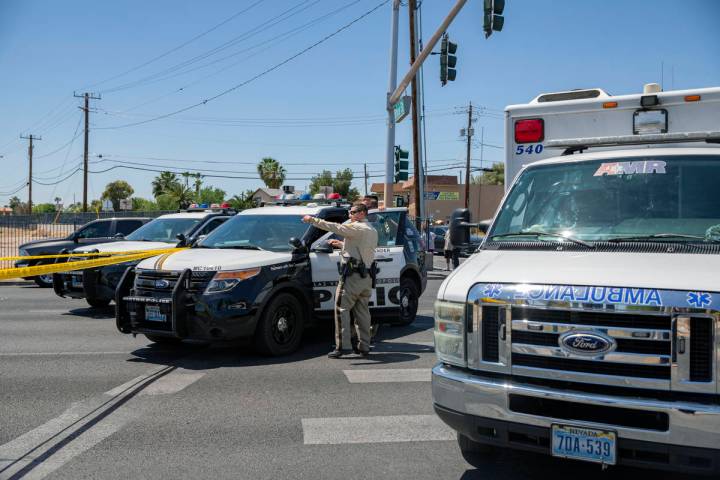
(619, 140)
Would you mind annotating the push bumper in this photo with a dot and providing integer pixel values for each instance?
(183, 314)
(659, 434)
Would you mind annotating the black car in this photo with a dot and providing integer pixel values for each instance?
(98, 231)
(440, 232)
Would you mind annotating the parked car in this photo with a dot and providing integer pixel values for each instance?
(98, 231)
(440, 231)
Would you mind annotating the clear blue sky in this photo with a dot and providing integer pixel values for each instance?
(324, 109)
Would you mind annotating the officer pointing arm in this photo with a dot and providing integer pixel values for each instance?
(355, 285)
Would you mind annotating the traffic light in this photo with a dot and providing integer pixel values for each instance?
(494, 20)
(448, 60)
(401, 164)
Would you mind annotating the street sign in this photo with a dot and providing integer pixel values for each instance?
(402, 108)
(126, 204)
(107, 206)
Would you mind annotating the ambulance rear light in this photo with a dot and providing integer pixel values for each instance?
(531, 130)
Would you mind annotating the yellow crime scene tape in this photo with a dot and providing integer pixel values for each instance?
(113, 258)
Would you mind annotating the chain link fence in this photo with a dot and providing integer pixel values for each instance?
(18, 229)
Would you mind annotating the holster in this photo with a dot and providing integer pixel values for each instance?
(374, 270)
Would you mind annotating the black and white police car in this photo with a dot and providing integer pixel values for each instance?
(97, 285)
(266, 275)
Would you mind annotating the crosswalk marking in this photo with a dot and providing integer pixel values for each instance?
(386, 375)
(381, 429)
(173, 382)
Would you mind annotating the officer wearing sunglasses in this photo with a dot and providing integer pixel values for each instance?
(355, 286)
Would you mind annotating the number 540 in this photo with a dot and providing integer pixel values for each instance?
(528, 149)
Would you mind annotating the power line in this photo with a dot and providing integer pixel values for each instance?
(251, 79)
(175, 49)
(244, 36)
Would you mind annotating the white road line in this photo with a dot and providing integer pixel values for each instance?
(79, 428)
(407, 342)
(54, 354)
(386, 375)
(173, 382)
(384, 429)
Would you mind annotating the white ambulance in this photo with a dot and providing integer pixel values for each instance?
(587, 325)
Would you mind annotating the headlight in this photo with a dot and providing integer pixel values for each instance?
(450, 332)
(223, 281)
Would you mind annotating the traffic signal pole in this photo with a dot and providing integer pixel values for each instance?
(390, 144)
(417, 162)
(395, 96)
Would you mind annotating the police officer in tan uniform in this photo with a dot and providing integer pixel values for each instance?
(355, 286)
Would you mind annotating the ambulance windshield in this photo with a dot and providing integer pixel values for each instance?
(658, 198)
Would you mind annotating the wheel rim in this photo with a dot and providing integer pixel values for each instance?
(408, 302)
(46, 278)
(284, 325)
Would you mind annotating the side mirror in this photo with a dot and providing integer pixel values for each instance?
(75, 237)
(119, 235)
(198, 239)
(323, 247)
(296, 243)
(460, 225)
(182, 239)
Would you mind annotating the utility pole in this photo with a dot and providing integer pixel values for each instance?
(416, 133)
(392, 82)
(366, 177)
(30, 139)
(87, 96)
(468, 133)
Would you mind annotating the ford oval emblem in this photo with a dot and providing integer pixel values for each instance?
(588, 344)
(162, 284)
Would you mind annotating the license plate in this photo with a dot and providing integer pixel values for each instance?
(584, 444)
(153, 314)
(76, 281)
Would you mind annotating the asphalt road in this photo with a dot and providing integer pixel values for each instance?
(80, 400)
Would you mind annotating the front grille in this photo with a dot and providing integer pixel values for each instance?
(660, 372)
(701, 349)
(643, 346)
(158, 283)
(589, 317)
(490, 329)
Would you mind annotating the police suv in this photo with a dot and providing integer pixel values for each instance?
(587, 325)
(266, 275)
(97, 285)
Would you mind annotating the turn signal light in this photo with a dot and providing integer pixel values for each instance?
(692, 98)
(529, 131)
(610, 105)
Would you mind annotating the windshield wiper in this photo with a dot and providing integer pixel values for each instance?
(242, 247)
(537, 233)
(640, 238)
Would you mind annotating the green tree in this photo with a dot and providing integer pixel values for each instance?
(341, 183)
(143, 205)
(116, 191)
(495, 176)
(211, 195)
(242, 201)
(180, 195)
(166, 202)
(271, 172)
(163, 182)
(43, 208)
(17, 205)
(95, 206)
(198, 184)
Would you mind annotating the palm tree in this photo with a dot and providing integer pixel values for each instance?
(198, 184)
(271, 172)
(180, 194)
(163, 182)
(186, 175)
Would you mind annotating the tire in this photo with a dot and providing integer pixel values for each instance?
(98, 302)
(163, 340)
(476, 454)
(409, 297)
(43, 281)
(281, 325)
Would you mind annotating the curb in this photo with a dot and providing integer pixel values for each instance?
(18, 283)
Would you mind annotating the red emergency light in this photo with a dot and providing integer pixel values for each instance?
(531, 130)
